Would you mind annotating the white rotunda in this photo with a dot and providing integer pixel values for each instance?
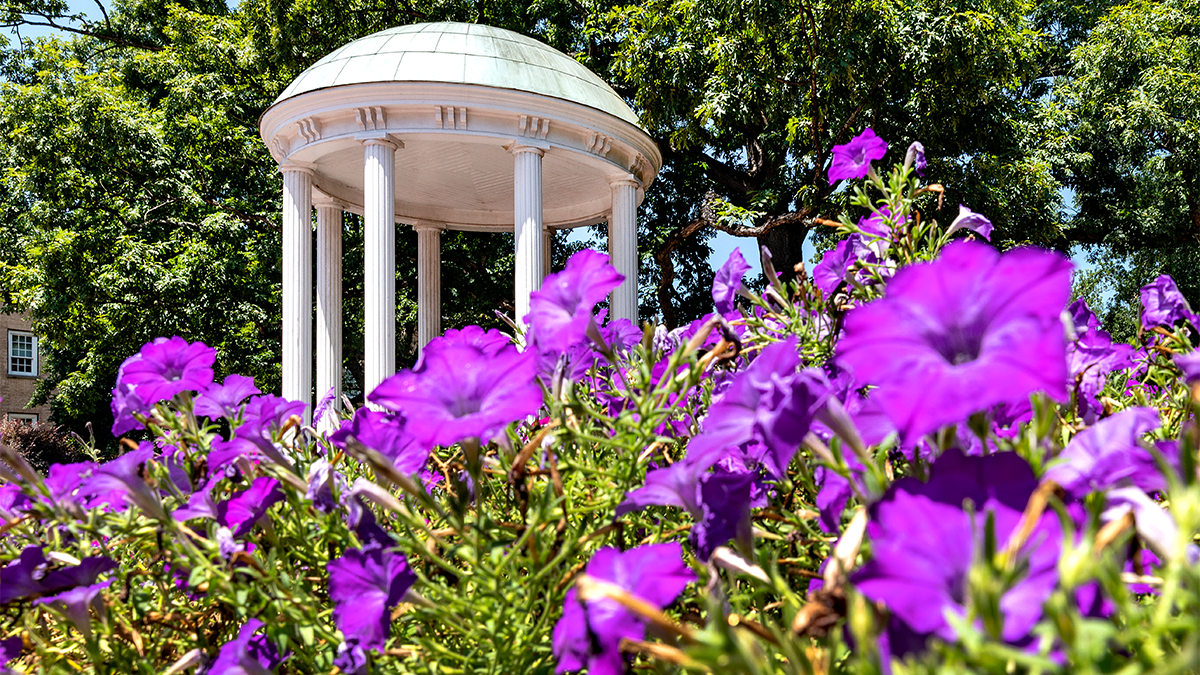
(442, 126)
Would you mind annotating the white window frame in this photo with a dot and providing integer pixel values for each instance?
(12, 335)
(32, 418)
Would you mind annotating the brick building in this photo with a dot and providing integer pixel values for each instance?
(21, 365)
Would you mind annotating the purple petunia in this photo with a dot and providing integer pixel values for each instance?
(158, 371)
(1091, 356)
(30, 575)
(76, 605)
(1163, 304)
(589, 633)
(728, 280)
(771, 401)
(120, 481)
(387, 434)
(462, 389)
(263, 418)
(560, 313)
(1189, 365)
(238, 513)
(364, 587)
(925, 543)
(247, 654)
(1109, 454)
(718, 501)
(968, 331)
(10, 648)
(224, 400)
(853, 160)
(969, 220)
(915, 158)
(834, 267)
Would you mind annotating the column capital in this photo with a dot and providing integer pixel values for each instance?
(379, 138)
(534, 147)
(421, 226)
(619, 179)
(292, 166)
(322, 200)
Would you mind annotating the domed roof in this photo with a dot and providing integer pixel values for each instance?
(462, 53)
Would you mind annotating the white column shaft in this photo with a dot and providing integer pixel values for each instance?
(527, 224)
(429, 283)
(547, 251)
(297, 285)
(622, 248)
(379, 269)
(329, 308)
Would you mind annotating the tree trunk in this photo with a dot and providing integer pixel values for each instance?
(786, 245)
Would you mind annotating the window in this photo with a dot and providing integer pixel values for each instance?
(27, 418)
(22, 354)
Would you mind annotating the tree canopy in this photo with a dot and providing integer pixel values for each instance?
(139, 201)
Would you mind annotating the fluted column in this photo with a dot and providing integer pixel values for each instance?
(527, 225)
(329, 307)
(622, 247)
(429, 282)
(297, 285)
(547, 251)
(379, 257)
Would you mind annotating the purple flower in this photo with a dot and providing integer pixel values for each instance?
(877, 225)
(589, 633)
(1163, 304)
(1154, 524)
(120, 481)
(462, 390)
(166, 367)
(728, 280)
(238, 513)
(969, 220)
(1189, 364)
(64, 479)
(248, 654)
(835, 492)
(853, 160)
(925, 543)
(124, 404)
(223, 400)
(364, 587)
(915, 157)
(718, 501)
(1108, 454)
(263, 417)
(771, 402)
(559, 313)
(834, 266)
(75, 604)
(968, 331)
(388, 435)
(30, 574)
(10, 648)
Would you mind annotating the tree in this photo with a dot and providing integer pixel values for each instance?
(1132, 111)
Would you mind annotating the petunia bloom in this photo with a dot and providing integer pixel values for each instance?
(31, 574)
(120, 481)
(1108, 455)
(247, 654)
(76, 605)
(589, 633)
(1189, 365)
(968, 331)
(1163, 304)
(385, 433)
(853, 160)
(728, 280)
(969, 220)
(834, 266)
(925, 543)
(1091, 357)
(915, 158)
(163, 368)
(462, 390)
(364, 587)
(560, 313)
(225, 399)
(771, 401)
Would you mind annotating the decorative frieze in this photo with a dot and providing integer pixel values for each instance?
(371, 119)
(450, 117)
(599, 144)
(309, 130)
(533, 127)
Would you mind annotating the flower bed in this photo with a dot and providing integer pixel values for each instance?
(921, 457)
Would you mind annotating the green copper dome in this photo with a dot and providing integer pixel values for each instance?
(461, 53)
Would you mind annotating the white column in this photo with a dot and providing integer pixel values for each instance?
(622, 247)
(429, 282)
(379, 257)
(527, 225)
(329, 306)
(297, 285)
(547, 251)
